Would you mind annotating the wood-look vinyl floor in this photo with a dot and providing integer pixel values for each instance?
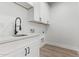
(54, 51)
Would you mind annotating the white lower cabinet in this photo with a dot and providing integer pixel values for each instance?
(33, 49)
(26, 48)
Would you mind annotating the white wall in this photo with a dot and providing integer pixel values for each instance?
(64, 25)
(8, 13)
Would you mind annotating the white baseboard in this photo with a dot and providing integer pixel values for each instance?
(63, 46)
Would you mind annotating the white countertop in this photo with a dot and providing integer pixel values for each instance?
(6, 39)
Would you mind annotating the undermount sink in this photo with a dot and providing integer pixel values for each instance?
(20, 35)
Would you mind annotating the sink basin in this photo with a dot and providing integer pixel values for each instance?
(20, 35)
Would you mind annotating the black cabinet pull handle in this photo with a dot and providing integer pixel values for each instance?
(28, 50)
(25, 51)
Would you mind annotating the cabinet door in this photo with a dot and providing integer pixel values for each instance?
(34, 49)
(36, 11)
(44, 11)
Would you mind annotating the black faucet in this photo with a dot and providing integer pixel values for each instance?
(15, 31)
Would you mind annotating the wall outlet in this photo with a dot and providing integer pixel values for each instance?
(43, 32)
(42, 40)
(32, 30)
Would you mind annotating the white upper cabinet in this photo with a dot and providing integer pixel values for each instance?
(31, 3)
(36, 11)
(27, 5)
(44, 12)
(41, 12)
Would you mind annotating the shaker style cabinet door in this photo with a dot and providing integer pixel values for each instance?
(36, 11)
(44, 11)
(41, 11)
(33, 49)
